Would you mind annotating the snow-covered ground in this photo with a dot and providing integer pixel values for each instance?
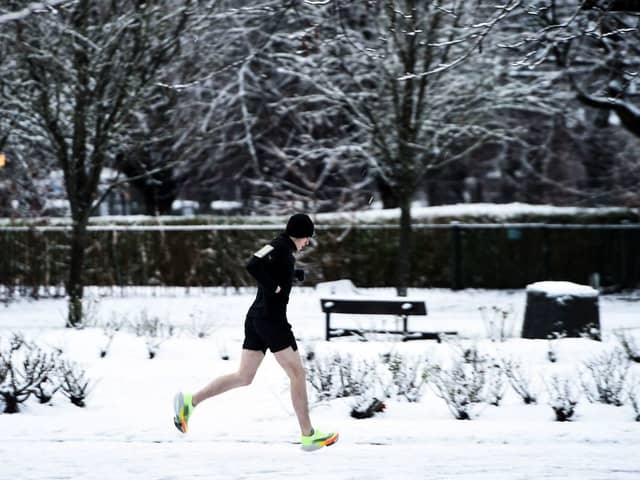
(126, 430)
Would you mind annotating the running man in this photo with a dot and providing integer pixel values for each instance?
(266, 328)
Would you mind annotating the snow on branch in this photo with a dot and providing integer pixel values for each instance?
(484, 29)
(33, 7)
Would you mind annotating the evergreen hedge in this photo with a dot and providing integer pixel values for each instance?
(204, 251)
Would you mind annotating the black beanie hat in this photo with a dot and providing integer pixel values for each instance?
(300, 226)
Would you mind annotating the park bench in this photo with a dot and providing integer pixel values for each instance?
(400, 307)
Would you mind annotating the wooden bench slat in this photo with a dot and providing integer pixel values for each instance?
(374, 307)
(401, 307)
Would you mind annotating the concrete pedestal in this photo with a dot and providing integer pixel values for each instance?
(562, 309)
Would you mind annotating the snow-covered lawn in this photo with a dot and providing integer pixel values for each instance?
(126, 430)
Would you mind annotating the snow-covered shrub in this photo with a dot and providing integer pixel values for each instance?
(408, 376)
(496, 383)
(110, 328)
(460, 387)
(630, 346)
(27, 369)
(154, 331)
(563, 397)
(634, 397)
(464, 385)
(604, 377)
(356, 376)
(498, 322)
(552, 353)
(73, 383)
(520, 381)
(200, 326)
(6, 294)
(45, 391)
(223, 350)
(24, 369)
(320, 376)
(489, 371)
(339, 376)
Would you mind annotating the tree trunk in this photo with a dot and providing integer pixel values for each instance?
(387, 195)
(10, 404)
(75, 280)
(404, 247)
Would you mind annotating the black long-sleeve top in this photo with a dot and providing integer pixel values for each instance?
(273, 266)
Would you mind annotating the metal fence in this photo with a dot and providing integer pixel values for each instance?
(601, 255)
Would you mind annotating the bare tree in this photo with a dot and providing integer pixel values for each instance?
(79, 74)
(592, 50)
(247, 115)
(419, 85)
(597, 44)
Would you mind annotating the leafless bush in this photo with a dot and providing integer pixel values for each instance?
(629, 345)
(563, 397)
(321, 376)
(27, 369)
(339, 376)
(408, 376)
(110, 328)
(223, 350)
(356, 376)
(200, 326)
(6, 294)
(154, 331)
(520, 381)
(498, 322)
(634, 397)
(24, 370)
(496, 384)
(604, 377)
(489, 370)
(73, 383)
(552, 353)
(465, 385)
(45, 391)
(460, 387)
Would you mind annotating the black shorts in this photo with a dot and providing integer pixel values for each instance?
(262, 333)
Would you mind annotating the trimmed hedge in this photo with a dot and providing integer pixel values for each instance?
(454, 255)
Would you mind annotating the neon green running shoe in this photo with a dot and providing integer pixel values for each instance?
(183, 407)
(317, 440)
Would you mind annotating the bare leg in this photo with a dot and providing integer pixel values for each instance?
(250, 360)
(290, 361)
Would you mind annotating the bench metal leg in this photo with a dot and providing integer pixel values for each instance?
(327, 326)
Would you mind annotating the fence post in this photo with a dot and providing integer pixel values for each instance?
(455, 258)
(546, 251)
(627, 260)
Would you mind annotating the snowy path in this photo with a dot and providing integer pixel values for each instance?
(112, 459)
